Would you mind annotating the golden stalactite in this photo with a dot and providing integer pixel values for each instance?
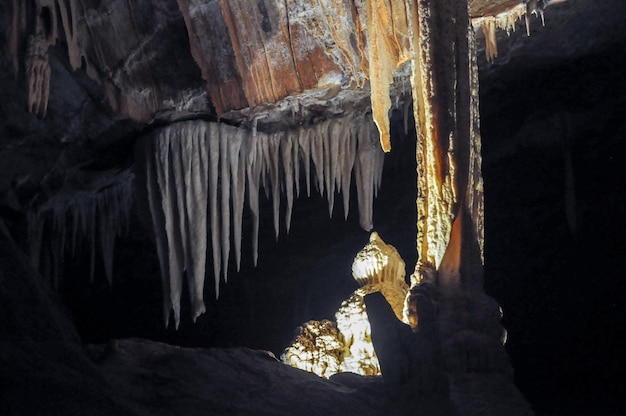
(387, 48)
(504, 20)
(488, 26)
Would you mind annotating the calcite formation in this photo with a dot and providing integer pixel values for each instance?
(445, 95)
(197, 175)
(318, 347)
(74, 221)
(377, 268)
(38, 73)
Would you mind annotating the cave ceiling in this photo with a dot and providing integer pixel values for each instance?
(111, 70)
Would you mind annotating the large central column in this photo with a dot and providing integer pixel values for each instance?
(450, 188)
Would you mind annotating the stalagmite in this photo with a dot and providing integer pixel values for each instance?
(196, 170)
(326, 348)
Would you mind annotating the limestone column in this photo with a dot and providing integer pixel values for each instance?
(450, 187)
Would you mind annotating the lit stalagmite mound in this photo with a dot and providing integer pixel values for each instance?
(326, 348)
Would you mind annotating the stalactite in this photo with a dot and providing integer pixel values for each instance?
(272, 160)
(304, 142)
(317, 153)
(44, 26)
(69, 12)
(225, 198)
(197, 170)
(254, 167)
(365, 168)
(491, 45)
(237, 148)
(327, 167)
(387, 48)
(158, 223)
(348, 151)
(287, 154)
(214, 159)
(94, 216)
(38, 74)
(335, 130)
(165, 179)
(503, 21)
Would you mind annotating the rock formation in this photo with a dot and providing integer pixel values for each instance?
(196, 175)
(326, 347)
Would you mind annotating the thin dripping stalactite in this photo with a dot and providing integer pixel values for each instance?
(91, 219)
(387, 49)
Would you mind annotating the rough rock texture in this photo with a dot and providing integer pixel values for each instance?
(326, 347)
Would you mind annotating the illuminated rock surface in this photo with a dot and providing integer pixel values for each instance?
(326, 347)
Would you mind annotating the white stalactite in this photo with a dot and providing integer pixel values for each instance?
(272, 160)
(348, 151)
(304, 141)
(287, 154)
(237, 145)
(198, 170)
(214, 159)
(225, 197)
(169, 207)
(253, 167)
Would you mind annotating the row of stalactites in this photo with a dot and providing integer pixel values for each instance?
(506, 21)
